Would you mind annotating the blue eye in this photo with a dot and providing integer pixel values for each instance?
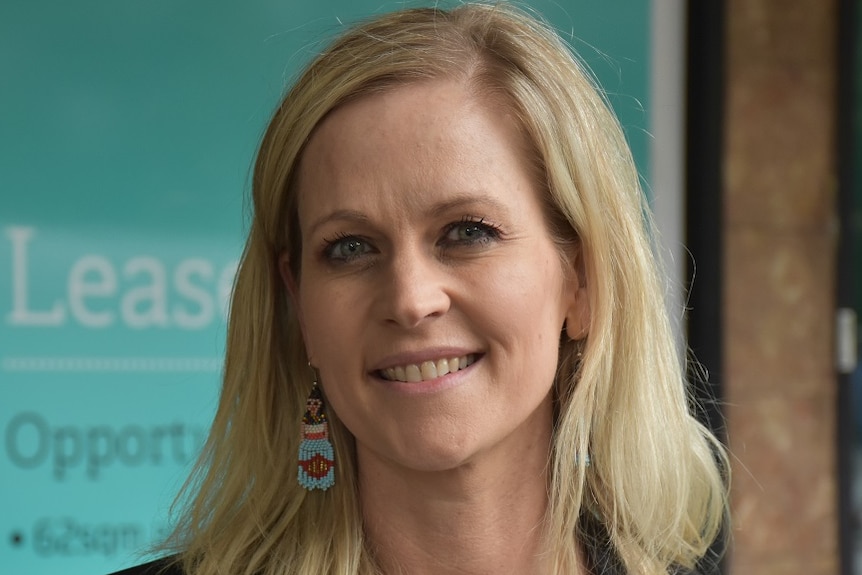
(471, 232)
(346, 248)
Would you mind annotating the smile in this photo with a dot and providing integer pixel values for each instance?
(427, 370)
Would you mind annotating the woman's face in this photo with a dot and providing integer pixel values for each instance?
(431, 295)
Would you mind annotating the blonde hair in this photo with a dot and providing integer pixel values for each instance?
(655, 484)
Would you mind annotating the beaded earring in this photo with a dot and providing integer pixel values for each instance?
(316, 457)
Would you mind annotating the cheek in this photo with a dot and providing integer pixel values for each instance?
(523, 307)
(531, 293)
(318, 322)
(332, 323)
(538, 315)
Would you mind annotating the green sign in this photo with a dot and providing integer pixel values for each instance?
(127, 134)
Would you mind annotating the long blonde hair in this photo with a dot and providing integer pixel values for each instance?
(655, 483)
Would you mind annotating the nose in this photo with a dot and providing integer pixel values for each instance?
(416, 290)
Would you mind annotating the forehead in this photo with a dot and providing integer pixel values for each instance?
(415, 119)
(426, 139)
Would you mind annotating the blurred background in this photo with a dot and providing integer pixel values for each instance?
(127, 132)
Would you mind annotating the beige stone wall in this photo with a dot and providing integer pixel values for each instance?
(780, 246)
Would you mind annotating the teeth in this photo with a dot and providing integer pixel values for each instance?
(442, 367)
(427, 370)
(413, 373)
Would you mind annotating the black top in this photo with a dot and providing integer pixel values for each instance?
(601, 558)
(600, 555)
(603, 564)
(164, 566)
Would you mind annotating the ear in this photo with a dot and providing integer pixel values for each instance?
(289, 281)
(578, 311)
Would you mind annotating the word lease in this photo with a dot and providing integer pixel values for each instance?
(140, 292)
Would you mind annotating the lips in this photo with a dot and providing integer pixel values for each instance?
(427, 370)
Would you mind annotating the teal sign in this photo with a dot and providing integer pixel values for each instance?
(127, 132)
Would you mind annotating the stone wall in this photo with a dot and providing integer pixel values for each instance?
(780, 239)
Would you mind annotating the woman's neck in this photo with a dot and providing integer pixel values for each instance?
(485, 517)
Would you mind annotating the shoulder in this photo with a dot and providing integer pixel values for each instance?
(164, 566)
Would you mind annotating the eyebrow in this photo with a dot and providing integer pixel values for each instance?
(350, 216)
(454, 202)
(463, 200)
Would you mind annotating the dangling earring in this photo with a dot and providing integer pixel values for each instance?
(579, 354)
(316, 458)
(579, 358)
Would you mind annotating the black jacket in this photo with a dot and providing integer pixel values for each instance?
(600, 555)
(603, 564)
(158, 567)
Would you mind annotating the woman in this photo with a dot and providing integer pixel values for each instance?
(449, 274)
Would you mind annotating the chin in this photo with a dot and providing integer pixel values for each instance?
(441, 456)
(424, 456)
